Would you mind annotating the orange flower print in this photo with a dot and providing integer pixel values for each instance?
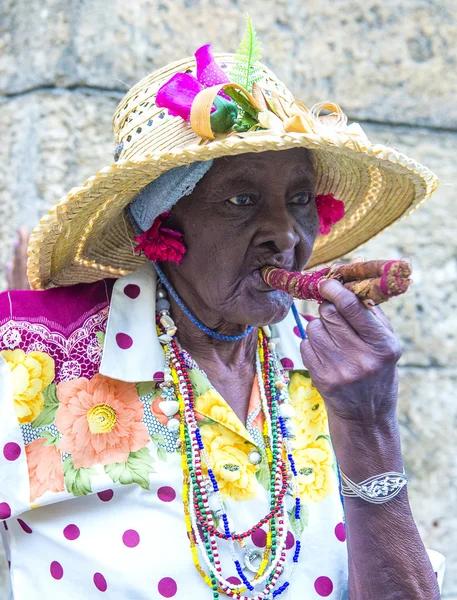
(45, 468)
(100, 420)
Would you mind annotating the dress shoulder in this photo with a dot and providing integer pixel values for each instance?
(63, 307)
(46, 337)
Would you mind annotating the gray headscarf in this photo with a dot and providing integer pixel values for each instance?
(164, 192)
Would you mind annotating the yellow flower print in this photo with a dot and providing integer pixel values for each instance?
(31, 373)
(212, 405)
(228, 455)
(310, 414)
(316, 478)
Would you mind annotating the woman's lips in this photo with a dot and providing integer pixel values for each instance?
(260, 283)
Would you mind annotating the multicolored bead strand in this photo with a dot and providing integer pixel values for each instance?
(269, 366)
(197, 486)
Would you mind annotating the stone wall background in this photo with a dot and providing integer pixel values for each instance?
(65, 64)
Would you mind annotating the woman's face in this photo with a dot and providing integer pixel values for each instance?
(248, 211)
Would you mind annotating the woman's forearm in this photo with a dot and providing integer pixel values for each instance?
(387, 559)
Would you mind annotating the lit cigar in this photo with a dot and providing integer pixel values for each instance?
(374, 282)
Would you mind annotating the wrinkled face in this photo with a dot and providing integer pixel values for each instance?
(247, 212)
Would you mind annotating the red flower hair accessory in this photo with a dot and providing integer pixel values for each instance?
(159, 243)
(330, 211)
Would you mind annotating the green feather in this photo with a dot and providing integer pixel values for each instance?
(245, 70)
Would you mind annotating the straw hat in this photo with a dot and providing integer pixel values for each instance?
(87, 236)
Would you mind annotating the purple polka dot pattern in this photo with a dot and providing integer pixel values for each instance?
(11, 451)
(167, 587)
(132, 290)
(124, 341)
(159, 376)
(5, 510)
(24, 526)
(259, 538)
(323, 586)
(166, 493)
(307, 319)
(56, 570)
(106, 495)
(234, 580)
(297, 332)
(100, 582)
(290, 540)
(131, 538)
(340, 532)
(71, 532)
(287, 364)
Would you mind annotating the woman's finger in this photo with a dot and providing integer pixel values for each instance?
(337, 327)
(319, 338)
(368, 326)
(309, 357)
(381, 315)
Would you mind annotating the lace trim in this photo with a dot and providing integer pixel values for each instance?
(65, 344)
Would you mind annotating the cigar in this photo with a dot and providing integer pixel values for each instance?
(374, 281)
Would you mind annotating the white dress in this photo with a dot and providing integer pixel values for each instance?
(90, 479)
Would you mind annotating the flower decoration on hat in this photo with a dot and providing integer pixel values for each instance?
(231, 107)
(213, 102)
(179, 93)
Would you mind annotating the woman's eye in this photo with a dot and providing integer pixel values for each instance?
(240, 200)
(302, 198)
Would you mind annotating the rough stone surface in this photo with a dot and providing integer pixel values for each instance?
(64, 66)
(381, 59)
(56, 141)
(426, 317)
(428, 419)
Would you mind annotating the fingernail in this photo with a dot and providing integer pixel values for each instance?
(309, 318)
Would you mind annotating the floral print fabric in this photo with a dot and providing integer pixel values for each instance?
(45, 468)
(100, 420)
(31, 373)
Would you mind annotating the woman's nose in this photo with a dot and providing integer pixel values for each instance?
(276, 230)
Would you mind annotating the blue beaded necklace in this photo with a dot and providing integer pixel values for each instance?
(174, 294)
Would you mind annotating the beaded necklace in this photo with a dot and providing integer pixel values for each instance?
(173, 293)
(201, 496)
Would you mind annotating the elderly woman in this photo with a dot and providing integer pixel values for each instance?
(166, 432)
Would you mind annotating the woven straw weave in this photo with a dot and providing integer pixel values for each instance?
(87, 235)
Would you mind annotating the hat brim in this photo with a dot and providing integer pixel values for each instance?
(87, 236)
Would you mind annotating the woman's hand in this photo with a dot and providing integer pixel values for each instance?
(16, 270)
(352, 354)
